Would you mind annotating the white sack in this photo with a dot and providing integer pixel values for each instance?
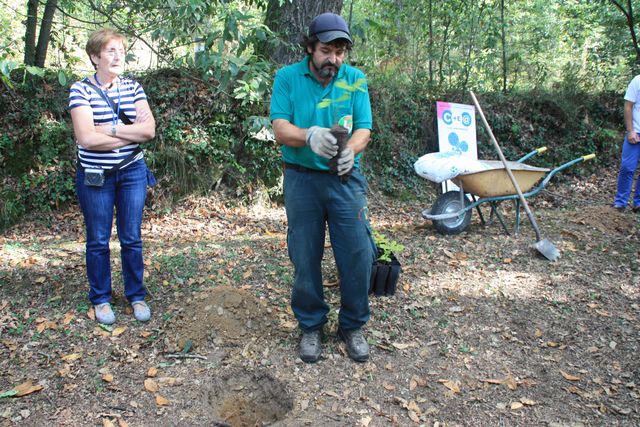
(439, 167)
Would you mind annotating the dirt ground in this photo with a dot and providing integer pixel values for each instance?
(482, 330)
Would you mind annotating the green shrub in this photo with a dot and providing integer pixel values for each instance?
(36, 148)
(207, 140)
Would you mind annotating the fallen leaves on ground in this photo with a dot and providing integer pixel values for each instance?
(162, 401)
(150, 385)
(23, 389)
(569, 377)
(479, 328)
(451, 385)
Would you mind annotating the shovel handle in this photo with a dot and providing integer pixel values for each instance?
(534, 224)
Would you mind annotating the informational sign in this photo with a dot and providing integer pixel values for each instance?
(457, 128)
(456, 131)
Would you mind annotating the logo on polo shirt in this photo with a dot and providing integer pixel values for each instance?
(346, 122)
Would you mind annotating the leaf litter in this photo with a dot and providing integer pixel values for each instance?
(480, 329)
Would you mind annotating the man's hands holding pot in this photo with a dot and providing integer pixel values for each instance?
(322, 142)
(345, 161)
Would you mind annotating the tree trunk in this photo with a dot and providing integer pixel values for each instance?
(504, 48)
(445, 39)
(476, 19)
(45, 32)
(291, 21)
(30, 33)
(430, 44)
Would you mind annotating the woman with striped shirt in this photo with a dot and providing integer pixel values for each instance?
(111, 118)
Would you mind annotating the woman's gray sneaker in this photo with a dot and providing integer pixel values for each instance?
(104, 314)
(141, 311)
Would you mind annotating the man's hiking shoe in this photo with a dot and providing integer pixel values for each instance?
(357, 345)
(141, 311)
(311, 346)
(104, 314)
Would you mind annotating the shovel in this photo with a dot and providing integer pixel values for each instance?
(544, 246)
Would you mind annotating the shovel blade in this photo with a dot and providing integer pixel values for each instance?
(546, 248)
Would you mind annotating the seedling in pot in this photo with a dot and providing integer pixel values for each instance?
(385, 270)
(386, 247)
(341, 133)
(343, 126)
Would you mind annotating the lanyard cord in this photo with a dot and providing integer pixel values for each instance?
(115, 115)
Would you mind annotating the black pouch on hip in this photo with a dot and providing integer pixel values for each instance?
(94, 177)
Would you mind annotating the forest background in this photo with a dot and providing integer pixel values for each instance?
(548, 73)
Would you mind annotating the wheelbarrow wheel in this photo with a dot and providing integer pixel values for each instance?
(449, 202)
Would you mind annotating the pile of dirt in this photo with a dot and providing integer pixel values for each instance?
(220, 315)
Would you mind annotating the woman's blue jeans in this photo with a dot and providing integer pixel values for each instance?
(628, 165)
(125, 190)
(312, 201)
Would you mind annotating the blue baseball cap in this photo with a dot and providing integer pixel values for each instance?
(329, 27)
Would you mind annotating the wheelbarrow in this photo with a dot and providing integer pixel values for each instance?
(451, 212)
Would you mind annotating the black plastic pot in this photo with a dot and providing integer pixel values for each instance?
(384, 277)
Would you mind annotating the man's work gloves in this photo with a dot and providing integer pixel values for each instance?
(324, 144)
(345, 161)
(321, 141)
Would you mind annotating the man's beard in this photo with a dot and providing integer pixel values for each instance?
(327, 70)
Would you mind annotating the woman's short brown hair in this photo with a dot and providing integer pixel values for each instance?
(98, 39)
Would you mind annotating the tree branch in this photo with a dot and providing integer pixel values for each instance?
(619, 6)
(75, 18)
(119, 27)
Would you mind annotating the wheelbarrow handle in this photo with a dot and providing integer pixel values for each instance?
(531, 154)
(535, 190)
(550, 175)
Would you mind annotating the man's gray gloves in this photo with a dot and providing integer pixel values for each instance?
(322, 142)
(345, 161)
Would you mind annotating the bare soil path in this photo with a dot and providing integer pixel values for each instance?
(482, 331)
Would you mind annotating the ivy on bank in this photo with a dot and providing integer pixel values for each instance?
(204, 140)
(207, 140)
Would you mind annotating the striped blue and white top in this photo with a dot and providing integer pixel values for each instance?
(124, 91)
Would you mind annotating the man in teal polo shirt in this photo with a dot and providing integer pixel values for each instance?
(308, 99)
